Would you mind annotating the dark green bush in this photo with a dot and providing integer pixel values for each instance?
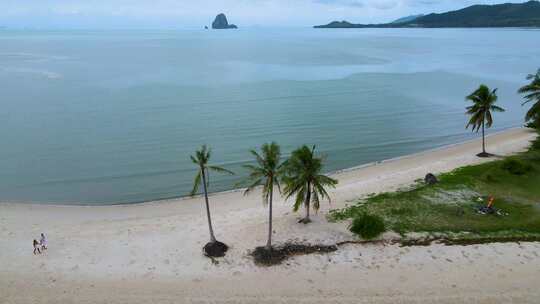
(367, 226)
(515, 166)
(534, 123)
(535, 145)
(490, 178)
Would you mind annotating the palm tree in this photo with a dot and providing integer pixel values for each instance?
(483, 100)
(267, 173)
(532, 94)
(201, 158)
(304, 180)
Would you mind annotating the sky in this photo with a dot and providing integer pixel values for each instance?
(173, 14)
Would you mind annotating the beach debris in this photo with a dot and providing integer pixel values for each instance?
(267, 257)
(430, 179)
(474, 240)
(215, 249)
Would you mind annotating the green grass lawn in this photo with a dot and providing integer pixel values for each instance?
(449, 206)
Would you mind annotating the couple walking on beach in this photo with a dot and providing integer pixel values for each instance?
(40, 246)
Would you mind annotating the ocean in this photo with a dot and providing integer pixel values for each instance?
(111, 117)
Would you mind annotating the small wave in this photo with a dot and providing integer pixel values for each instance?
(29, 57)
(42, 73)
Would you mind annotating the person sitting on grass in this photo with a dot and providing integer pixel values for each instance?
(488, 209)
(36, 247)
(490, 202)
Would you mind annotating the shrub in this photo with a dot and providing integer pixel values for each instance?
(515, 166)
(490, 178)
(534, 123)
(535, 145)
(367, 226)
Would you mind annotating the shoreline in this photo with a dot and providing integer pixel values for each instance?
(423, 152)
(151, 252)
(334, 173)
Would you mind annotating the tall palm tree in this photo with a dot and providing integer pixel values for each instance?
(267, 173)
(483, 100)
(304, 180)
(201, 158)
(532, 94)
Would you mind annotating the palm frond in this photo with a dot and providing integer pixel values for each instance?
(258, 158)
(489, 119)
(497, 109)
(252, 186)
(196, 184)
(483, 100)
(326, 180)
(300, 198)
(303, 175)
(533, 112)
(220, 170)
(292, 187)
(267, 170)
(319, 188)
(532, 94)
(278, 185)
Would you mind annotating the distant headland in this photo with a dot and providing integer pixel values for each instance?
(525, 14)
(221, 23)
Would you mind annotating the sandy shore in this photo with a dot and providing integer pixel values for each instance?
(151, 253)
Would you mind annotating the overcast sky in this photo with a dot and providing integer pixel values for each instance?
(184, 13)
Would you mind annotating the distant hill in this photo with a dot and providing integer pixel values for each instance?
(500, 15)
(407, 19)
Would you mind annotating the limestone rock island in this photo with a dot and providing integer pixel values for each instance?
(221, 23)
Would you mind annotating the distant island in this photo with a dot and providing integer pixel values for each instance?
(500, 15)
(408, 18)
(221, 23)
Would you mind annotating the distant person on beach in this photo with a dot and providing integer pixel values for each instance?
(43, 242)
(36, 247)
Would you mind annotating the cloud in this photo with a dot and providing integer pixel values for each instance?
(349, 3)
(384, 4)
(378, 4)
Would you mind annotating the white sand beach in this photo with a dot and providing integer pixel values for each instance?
(151, 252)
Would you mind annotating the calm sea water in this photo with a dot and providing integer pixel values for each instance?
(102, 117)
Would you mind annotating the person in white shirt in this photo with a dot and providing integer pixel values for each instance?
(43, 242)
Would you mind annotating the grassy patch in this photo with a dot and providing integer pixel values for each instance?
(450, 206)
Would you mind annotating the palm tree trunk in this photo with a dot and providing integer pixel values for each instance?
(308, 201)
(269, 242)
(483, 139)
(212, 237)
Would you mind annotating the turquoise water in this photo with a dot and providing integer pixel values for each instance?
(102, 117)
